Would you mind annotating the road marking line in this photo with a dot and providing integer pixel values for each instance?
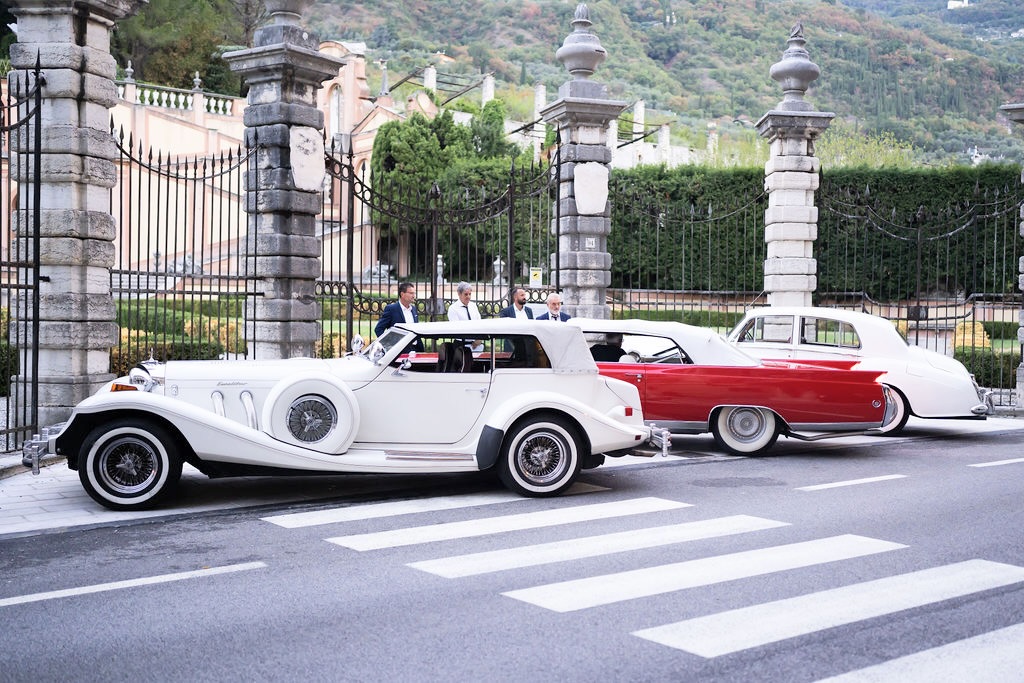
(592, 546)
(996, 463)
(567, 596)
(470, 528)
(851, 482)
(741, 629)
(993, 656)
(131, 583)
(407, 507)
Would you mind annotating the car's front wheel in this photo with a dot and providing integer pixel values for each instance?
(744, 430)
(129, 464)
(540, 456)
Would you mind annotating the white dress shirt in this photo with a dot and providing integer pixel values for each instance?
(461, 311)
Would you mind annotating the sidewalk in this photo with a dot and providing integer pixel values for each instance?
(55, 500)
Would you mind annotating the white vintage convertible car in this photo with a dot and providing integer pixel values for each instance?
(531, 406)
(926, 384)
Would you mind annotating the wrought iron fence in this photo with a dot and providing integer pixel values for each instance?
(183, 275)
(376, 237)
(947, 279)
(20, 136)
(682, 261)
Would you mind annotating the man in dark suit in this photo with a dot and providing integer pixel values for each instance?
(554, 309)
(518, 307)
(401, 311)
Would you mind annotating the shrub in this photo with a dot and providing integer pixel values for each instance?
(124, 357)
(10, 366)
(971, 335)
(991, 370)
(331, 345)
(1001, 329)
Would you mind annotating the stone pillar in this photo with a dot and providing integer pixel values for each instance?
(791, 177)
(1015, 112)
(582, 114)
(283, 186)
(77, 230)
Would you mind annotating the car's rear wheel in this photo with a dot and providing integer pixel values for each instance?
(744, 430)
(129, 464)
(902, 407)
(540, 456)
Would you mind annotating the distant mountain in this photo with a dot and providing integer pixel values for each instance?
(931, 76)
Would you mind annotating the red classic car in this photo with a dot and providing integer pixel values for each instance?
(692, 381)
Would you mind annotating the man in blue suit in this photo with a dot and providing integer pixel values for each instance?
(518, 307)
(401, 311)
(554, 309)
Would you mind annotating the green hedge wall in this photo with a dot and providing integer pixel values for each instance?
(700, 228)
(991, 370)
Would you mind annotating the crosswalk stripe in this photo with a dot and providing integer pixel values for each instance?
(727, 632)
(987, 658)
(851, 482)
(591, 546)
(407, 507)
(470, 528)
(566, 596)
(997, 463)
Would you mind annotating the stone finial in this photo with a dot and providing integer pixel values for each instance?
(287, 12)
(581, 51)
(795, 72)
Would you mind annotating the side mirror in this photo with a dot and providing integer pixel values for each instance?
(357, 344)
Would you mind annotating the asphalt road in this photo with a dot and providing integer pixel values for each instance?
(821, 560)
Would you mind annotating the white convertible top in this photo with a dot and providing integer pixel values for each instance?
(564, 344)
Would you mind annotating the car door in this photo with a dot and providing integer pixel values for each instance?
(419, 405)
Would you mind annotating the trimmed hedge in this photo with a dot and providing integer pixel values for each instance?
(991, 370)
(126, 356)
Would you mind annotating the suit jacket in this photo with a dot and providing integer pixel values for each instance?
(547, 316)
(510, 312)
(392, 314)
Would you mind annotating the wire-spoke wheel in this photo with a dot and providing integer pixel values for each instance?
(540, 456)
(128, 465)
(744, 430)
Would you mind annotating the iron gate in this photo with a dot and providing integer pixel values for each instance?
(21, 131)
(375, 237)
(183, 275)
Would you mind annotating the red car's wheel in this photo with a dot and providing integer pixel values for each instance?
(902, 414)
(744, 430)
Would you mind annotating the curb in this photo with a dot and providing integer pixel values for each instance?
(10, 464)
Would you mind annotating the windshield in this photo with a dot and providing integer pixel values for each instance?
(384, 343)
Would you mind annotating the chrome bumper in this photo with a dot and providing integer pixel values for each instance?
(987, 405)
(39, 445)
(661, 439)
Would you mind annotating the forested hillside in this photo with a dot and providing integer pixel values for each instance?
(928, 75)
(919, 75)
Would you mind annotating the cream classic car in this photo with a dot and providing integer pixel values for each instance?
(926, 384)
(530, 406)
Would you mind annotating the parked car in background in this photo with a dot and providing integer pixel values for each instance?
(531, 406)
(692, 381)
(925, 383)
